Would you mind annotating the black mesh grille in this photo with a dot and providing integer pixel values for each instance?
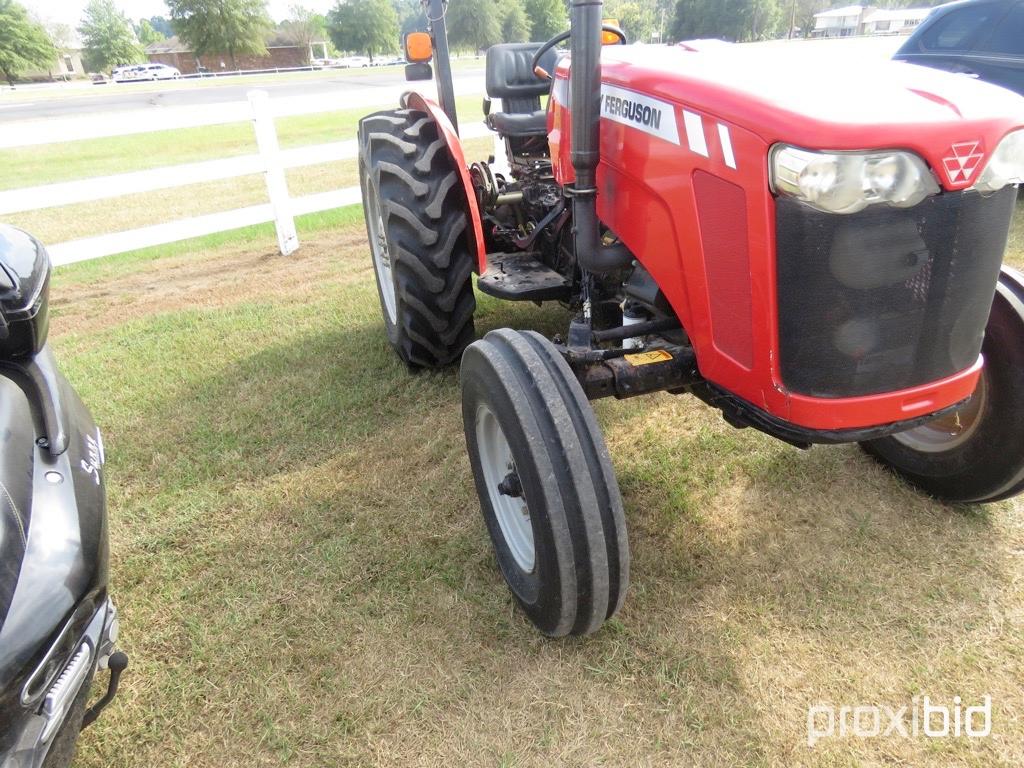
(887, 298)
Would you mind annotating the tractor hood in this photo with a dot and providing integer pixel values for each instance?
(831, 105)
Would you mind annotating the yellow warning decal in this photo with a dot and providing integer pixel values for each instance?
(646, 358)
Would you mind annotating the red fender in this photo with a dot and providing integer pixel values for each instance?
(414, 100)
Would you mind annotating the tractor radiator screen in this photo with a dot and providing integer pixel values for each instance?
(887, 298)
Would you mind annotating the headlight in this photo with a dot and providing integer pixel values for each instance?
(1006, 165)
(847, 182)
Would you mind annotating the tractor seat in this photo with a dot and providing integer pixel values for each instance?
(510, 77)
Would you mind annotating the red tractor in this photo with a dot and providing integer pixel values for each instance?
(815, 253)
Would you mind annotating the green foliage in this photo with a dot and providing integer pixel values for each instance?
(515, 27)
(547, 17)
(636, 19)
(366, 26)
(735, 20)
(411, 17)
(147, 34)
(221, 26)
(473, 24)
(161, 25)
(107, 37)
(24, 44)
(61, 36)
(303, 28)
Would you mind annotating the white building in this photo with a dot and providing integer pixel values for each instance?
(897, 21)
(865, 20)
(838, 22)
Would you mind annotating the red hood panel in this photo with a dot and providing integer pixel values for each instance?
(838, 105)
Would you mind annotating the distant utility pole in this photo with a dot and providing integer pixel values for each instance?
(792, 18)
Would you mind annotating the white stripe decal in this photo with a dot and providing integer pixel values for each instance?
(695, 133)
(726, 142)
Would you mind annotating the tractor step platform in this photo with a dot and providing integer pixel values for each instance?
(521, 277)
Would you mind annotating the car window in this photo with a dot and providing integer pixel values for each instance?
(1008, 36)
(956, 30)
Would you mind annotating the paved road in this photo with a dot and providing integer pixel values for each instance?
(134, 96)
(123, 97)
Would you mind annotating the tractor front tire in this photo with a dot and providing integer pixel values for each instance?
(547, 488)
(976, 454)
(417, 222)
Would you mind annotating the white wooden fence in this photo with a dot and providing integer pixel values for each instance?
(270, 160)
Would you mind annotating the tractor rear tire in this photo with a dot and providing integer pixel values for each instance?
(417, 222)
(547, 488)
(977, 454)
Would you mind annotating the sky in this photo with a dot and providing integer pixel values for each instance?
(70, 11)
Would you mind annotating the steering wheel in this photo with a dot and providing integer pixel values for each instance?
(542, 73)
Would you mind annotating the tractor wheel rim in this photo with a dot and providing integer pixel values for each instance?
(382, 258)
(952, 430)
(512, 513)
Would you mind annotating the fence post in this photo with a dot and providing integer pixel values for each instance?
(277, 186)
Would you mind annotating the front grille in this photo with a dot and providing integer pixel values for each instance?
(887, 298)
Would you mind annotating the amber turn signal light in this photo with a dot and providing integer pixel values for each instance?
(417, 47)
(609, 38)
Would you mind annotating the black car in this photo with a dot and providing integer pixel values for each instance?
(979, 38)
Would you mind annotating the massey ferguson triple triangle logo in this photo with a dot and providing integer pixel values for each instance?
(964, 161)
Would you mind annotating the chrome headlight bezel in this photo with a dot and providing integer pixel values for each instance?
(846, 182)
(1005, 166)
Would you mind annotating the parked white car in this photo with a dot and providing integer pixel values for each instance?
(352, 62)
(138, 72)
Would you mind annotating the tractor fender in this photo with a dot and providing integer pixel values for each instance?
(414, 100)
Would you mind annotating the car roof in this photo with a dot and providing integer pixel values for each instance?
(912, 43)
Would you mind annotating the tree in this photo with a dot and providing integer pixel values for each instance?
(161, 25)
(147, 34)
(63, 41)
(636, 19)
(366, 26)
(411, 17)
(304, 26)
(24, 43)
(222, 26)
(107, 37)
(473, 25)
(547, 18)
(763, 18)
(515, 27)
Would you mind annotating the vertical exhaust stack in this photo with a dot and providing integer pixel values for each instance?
(585, 107)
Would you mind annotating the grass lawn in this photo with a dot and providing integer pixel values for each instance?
(93, 157)
(305, 580)
(50, 163)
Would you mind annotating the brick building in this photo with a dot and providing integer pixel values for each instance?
(279, 56)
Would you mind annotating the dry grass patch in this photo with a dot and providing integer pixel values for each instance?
(305, 579)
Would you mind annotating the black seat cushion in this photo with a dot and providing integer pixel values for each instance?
(519, 123)
(510, 74)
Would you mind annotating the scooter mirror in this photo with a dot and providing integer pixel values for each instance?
(24, 291)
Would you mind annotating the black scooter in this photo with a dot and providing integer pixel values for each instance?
(58, 625)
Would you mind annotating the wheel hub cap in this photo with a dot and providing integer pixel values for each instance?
(382, 257)
(952, 430)
(504, 489)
